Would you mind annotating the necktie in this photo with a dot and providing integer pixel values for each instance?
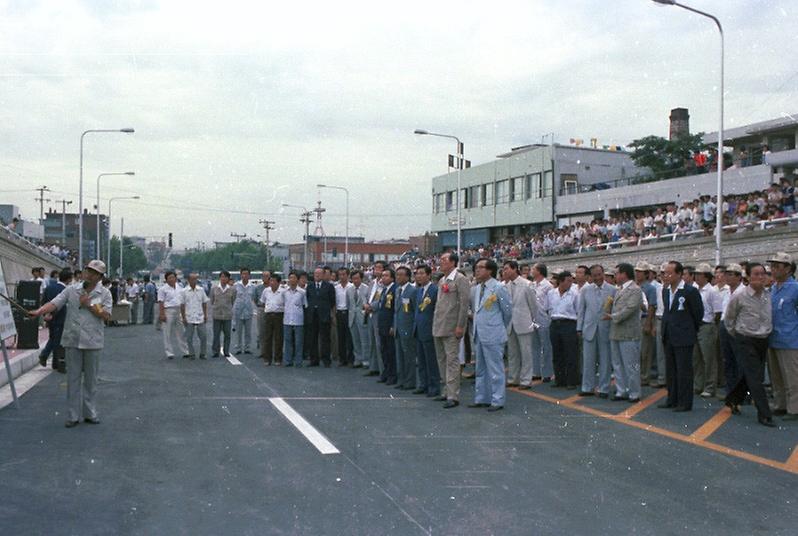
(318, 286)
(481, 292)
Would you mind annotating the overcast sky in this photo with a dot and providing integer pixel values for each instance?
(243, 106)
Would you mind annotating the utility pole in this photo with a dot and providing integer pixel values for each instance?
(319, 231)
(306, 219)
(238, 237)
(41, 201)
(267, 226)
(64, 204)
(121, 245)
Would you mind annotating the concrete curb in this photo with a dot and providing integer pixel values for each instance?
(20, 364)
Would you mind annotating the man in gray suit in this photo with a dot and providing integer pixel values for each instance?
(449, 325)
(357, 295)
(404, 323)
(519, 341)
(595, 302)
(375, 292)
(625, 333)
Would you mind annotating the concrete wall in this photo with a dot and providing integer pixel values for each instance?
(749, 246)
(20, 256)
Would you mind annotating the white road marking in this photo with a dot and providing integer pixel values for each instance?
(311, 434)
(233, 360)
(23, 384)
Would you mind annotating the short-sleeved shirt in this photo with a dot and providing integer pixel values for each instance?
(82, 329)
(784, 300)
(272, 300)
(193, 299)
(170, 296)
(295, 302)
(713, 303)
(650, 295)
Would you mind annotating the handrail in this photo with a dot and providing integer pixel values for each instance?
(14, 236)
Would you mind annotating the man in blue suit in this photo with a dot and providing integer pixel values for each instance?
(403, 331)
(681, 319)
(492, 309)
(56, 324)
(429, 376)
(386, 318)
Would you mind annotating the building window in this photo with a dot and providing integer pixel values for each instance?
(569, 183)
(472, 197)
(517, 189)
(547, 184)
(487, 195)
(450, 201)
(533, 186)
(502, 191)
(438, 203)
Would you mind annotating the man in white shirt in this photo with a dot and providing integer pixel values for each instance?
(660, 381)
(294, 303)
(542, 361)
(563, 308)
(169, 302)
(705, 351)
(271, 347)
(345, 350)
(733, 275)
(194, 311)
(132, 295)
(375, 291)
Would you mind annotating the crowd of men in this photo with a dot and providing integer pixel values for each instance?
(723, 331)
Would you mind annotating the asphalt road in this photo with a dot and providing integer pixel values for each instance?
(198, 447)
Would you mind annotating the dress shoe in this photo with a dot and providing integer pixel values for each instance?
(439, 398)
(779, 412)
(478, 405)
(665, 405)
(202, 356)
(495, 408)
(681, 409)
(91, 421)
(735, 409)
(451, 404)
(766, 421)
(536, 378)
(633, 400)
(616, 398)
(603, 395)
(42, 361)
(419, 392)
(357, 365)
(586, 393)
(524, 387)
(247, 352)
(510, 384)
(546, 379)
(187, 356)
(71, 424)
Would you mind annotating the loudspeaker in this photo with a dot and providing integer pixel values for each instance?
(29, 294)
(27, 330)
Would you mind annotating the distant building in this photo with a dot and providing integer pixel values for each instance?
(330, 251)
(680, 123)
(10, 217)
(62, 229)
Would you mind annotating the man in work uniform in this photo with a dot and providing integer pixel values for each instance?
(88, 307)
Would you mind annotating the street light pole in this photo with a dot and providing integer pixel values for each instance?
(64, 204)
(459, 162)
(347, 262)
(719, 204)
(305, 218)
(109, 223)
(80, 189)
(99, 249)
(267, 226)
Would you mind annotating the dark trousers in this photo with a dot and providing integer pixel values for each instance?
(221, 327)
(319, 338)
(148, 312)
(271, 347)
(346, 354)
(388, 347)
(679, 375)
(429, 376)
(731, 368)
(752, 356)
(564, 348)
(54, 339)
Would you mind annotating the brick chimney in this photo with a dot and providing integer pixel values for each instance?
(680, 123)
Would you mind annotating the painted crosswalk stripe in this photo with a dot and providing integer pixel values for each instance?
(311, 434)
(233, 360)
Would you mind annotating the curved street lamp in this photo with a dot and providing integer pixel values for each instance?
(99, 249)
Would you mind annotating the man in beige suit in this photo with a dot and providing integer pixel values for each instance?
(625, 333)
(519, 341)
(449, 326)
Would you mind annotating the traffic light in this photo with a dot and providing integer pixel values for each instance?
(170, 240)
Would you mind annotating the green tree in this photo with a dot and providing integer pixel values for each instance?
(133, 259)
(666, 158)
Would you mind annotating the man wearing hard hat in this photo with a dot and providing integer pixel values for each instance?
(88, 307)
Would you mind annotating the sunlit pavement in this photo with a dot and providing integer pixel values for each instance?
(201, 447)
